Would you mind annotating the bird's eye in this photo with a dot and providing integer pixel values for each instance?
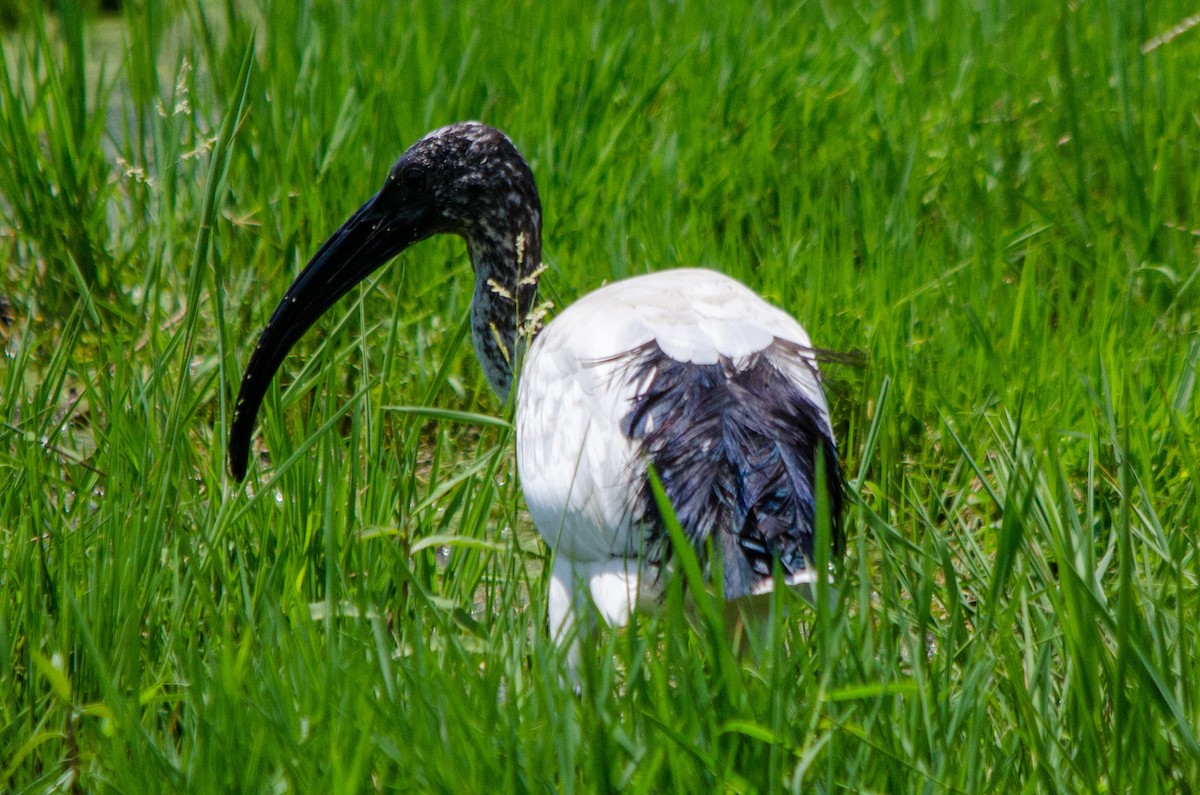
(413, 178)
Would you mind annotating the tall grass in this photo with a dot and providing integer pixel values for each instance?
(994, 201)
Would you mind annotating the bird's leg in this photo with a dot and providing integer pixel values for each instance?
(746, 625)
(748, 619)
(581, 591)
(561, 612)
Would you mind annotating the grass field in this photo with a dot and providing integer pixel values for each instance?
(995, 202)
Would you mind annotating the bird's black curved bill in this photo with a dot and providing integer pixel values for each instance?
(370, 237)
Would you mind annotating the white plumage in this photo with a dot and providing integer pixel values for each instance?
(574, 460)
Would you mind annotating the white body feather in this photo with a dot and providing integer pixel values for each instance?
(577, 466)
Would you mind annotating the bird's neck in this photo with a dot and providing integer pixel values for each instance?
(507, 264)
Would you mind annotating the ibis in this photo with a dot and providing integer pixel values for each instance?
(685, 373)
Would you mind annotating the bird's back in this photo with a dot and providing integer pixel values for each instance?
(692, 373)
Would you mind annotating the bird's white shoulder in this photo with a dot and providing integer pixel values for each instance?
(694, 315)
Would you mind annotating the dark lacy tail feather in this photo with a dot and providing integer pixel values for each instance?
(736, 449)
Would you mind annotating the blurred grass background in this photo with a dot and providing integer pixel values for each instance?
(994, 201)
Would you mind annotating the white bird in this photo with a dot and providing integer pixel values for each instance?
(686, 371)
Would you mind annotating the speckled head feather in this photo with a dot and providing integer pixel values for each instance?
(466, 179)
(475, 178)
(483, 190)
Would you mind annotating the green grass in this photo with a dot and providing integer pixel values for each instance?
(994, 201)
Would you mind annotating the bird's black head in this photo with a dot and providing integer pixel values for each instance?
(466, 179)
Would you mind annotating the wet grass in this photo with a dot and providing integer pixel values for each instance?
(994, 201)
